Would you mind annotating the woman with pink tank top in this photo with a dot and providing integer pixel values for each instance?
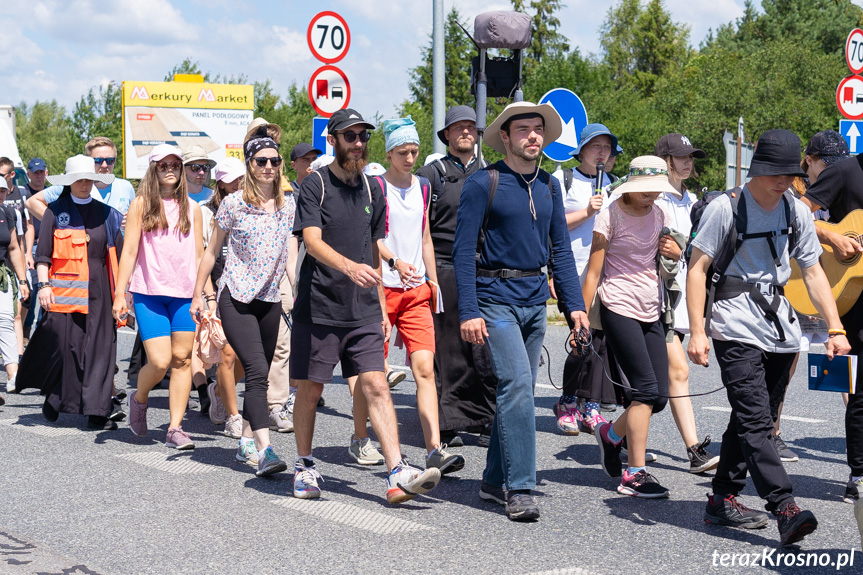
(163, 246)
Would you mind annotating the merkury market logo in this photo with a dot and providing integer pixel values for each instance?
(205, 95)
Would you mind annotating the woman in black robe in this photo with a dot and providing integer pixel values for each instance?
(71, 354)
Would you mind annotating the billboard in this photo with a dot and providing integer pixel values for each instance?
(213, 116)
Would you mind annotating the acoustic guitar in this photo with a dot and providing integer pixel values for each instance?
(845, 276)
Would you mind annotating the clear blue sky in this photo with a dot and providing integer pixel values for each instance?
(58, 49)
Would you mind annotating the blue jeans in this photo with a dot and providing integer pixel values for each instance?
(515, 335)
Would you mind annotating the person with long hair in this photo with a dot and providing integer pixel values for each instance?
(257, 223)
(163, 246)
(72, 351)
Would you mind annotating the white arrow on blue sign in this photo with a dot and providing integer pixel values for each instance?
(574, 116)
(851, 130)
(319, 135)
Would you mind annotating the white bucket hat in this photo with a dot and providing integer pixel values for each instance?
(229, 169)
(553, 123)
(80, 168)
(646, 174)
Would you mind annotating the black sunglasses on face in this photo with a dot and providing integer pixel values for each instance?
(275, 162)
(351, 137)
(99, 161)
(199, 168)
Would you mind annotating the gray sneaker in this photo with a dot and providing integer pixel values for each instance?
(279, 420)
(247, 453)
(364, 452)
(234, 426)
(446, 462)
(395, 377)
(270, 463)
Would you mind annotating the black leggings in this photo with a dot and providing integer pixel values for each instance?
(252, 330)
(640, 350)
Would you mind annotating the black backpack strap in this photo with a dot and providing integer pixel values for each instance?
(567, 179)
(726, 251)
(493, 176)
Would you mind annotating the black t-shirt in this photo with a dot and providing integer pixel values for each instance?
(15, 200)
(351, 225)
(7, 226)
(839, 188)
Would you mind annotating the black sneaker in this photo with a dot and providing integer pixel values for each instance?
(794, 524)
(321, 401)
(484, 436)
(451, 438)
(491, 493)
(641, 484)
(700, 460)
(785, 454)
(609, 452)
(520, 506)
(852, 490)
(118, 414)
(204, 399)
(729, 511)
(100, 423)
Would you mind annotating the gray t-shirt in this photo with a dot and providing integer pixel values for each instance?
(739, 318)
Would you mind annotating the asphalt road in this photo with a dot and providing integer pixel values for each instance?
(75, 501)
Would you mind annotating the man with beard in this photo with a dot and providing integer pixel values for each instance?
(463, 374)
(518, 209)
(340, 310)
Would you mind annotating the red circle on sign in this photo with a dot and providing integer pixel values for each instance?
(311, 43)
(346, 97)
(856, 49)
(844, 97)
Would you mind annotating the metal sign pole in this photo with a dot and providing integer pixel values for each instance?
(481, 88)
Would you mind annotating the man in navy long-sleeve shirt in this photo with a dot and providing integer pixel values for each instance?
(502, 295)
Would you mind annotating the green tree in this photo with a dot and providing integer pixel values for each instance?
(42, 131)
(545, 40)
(187, 66)
(99, 113)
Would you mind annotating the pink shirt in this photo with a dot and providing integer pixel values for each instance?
(166, 258)
(629, 285)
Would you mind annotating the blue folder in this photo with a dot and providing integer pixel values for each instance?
(837, 375)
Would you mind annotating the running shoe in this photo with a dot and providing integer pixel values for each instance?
(794, 524)
(649, 456)
(279, 420)
(234, 426)
(137, 416)
(406, 482)
(591, 420)
(521, 506)
(609, 452)
(101, 423)
(852, 490)
(785, 454)
(117, 414)
(270, 463)
(729, 511)
(217, 412)
(395, 377)
(451, 438)
(641, 484)
(364, 452)
(446, 462)
(701, 460)
(204, 398)
(493, 493)
(568, 417)
(290, 404)
(247, 453)
(178, 439)
(306, 479)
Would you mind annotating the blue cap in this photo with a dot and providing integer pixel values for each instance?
(618, 151)
(591, 131)
(36, 164)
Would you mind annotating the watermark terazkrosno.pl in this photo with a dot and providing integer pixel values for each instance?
(777, 558)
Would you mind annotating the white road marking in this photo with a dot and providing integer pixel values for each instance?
(351, 515)
(565, 571)
(784, 417)
(43, 429)
(170, 462)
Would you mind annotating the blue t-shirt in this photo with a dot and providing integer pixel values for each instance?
(203, 196)
(118, 195)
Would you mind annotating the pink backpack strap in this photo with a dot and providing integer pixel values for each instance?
(425, 186)
(383, 185)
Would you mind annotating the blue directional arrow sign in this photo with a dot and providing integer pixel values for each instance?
(852, 130)
(319, 135)
(574, 117)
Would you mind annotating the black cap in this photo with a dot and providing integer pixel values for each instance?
(302, 149)
(346, 118)
(677, 145)
(453, 115)
(828, 145)
(777, 153)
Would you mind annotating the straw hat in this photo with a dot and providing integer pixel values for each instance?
(80, 168)
(553, 123)
(646, 174)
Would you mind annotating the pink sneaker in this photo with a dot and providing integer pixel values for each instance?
(568, 417)
(137, 416)
(178, 439)
(591, 421)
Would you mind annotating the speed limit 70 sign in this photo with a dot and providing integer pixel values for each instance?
(329, 37)
(854, 51)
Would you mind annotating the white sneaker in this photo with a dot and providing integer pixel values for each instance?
(406, 482)
(234, 426)
(247, 453)
(306, 479)
(364, 452)
(10, 385)
(279, 420)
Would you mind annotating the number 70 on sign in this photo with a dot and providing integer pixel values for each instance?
(854, 51)
(328, 37)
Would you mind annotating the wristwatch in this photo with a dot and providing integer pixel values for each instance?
(392, 261)
(41, 285)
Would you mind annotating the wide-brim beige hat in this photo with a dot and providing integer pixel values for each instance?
(553, 123)
(80, 168)
(647, 174)
(195, 153)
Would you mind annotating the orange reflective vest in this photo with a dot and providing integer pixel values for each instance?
(69, 274)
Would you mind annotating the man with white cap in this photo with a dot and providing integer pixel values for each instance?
(197, 166)
(518, 210)
(463, 375)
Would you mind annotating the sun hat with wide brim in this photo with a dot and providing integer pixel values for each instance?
(80, 168)
(196, 153)
(647, 174)
(553, 123)
(777, 153)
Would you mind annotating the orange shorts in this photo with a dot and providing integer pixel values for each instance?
(410, 312)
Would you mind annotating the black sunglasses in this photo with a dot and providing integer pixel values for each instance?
(199, 168)
(351, 137)
(275, 162)
(99, 161)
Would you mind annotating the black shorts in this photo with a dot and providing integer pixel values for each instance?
(316, 349)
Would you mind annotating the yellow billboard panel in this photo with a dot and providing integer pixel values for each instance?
(189, 95)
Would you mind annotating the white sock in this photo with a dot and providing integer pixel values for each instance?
(261, 453)
(300, 460)
(247, 440)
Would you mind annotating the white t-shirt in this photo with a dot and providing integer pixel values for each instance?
(576, 198)
(677, 215)
(405, 236)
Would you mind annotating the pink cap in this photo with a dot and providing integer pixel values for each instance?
(162, 151)
(230, 169)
